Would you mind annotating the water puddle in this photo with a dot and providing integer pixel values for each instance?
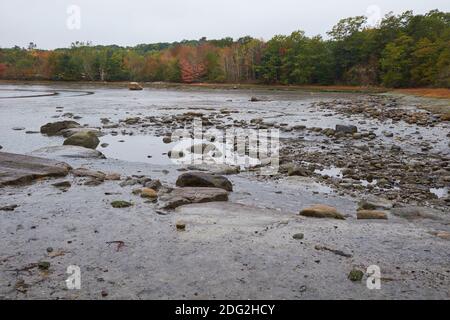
(151, 149)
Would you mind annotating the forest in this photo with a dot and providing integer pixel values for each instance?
(404, 50)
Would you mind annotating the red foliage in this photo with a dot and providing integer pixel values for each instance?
(191, 72)
(2, 69)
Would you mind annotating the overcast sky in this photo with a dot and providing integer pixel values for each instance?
(54, 23)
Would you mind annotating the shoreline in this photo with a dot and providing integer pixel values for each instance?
(437, 93)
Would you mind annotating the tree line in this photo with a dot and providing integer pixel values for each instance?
(404, 50)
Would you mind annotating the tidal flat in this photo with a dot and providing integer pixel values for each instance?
(362, 180)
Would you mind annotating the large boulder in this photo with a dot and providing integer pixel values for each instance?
(68, 152)
(321, 211)
(134, 86)
(203, 179)
(18, 169)
(182, 196)
(55, 128)
(71, 131)
(86, 139)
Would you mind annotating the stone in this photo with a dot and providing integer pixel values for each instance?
(11, 207)
(55, 128)
(445, 116)
(134, 86)
(121, 204)
(85, 139)
(44, 265)
(254, 99)
(415, 212)
(298, 236)
(371, 214)
(83, 172)
(18, 169)
(68, 152)
(149, 193)
(321, 211)
(297, 171)
(346, 128)
(62, 185)
(70, 132)
(355, 275)
(167, 139)
(203, 179)
(443, 235)
(153, 184)
(181, 226)
(182, 196)
(374, 203)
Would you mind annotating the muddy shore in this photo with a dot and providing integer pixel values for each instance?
(354, 152)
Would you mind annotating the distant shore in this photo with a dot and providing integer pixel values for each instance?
(440, 93)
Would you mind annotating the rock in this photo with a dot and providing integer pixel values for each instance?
(68, 152)
(134, 86)
(167, 139)
(83, 172)
(70, 132)
(443, 235)
(18, 128)
(85, 139)
(104, 145)
(181, 226)
(44, 265)
(62, 185)
(346, 128)
(182, 196)
(298, 171)
(445, 116)
(203, 179)
(149, 193)
(298, 236)
(112, 177)
(355, 275)
(414, 213)
(11, 207)
(54, 128)
(321, 211)
(121, 204)
(17, 169)
(153, 184)
(374, 203)
(371, 214)
(254, 99)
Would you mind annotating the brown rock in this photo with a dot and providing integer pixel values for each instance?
(149, 193)
(371, 214)
(321, 211)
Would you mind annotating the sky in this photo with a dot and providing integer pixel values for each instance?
(57, 23)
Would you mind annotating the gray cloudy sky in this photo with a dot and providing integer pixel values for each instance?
(132, 22)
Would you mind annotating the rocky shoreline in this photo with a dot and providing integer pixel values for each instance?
(359, 175)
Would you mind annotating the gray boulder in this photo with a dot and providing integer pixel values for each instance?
(205, 180)
(55, 128)
(86, 139)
